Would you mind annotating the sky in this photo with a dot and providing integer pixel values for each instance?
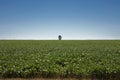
(46, 19)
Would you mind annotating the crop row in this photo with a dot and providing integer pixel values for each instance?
(95, 59)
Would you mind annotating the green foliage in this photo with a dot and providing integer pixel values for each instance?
(52, 58)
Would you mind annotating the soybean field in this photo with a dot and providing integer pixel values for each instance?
(99, 59)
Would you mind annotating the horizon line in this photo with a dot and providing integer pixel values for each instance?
(62, 39)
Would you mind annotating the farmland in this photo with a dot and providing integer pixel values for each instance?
(60, 59)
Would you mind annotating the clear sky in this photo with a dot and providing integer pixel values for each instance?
(46, 19)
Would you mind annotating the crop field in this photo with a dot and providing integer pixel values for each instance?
(93, 59)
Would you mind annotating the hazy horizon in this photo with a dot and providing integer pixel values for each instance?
(73, 19)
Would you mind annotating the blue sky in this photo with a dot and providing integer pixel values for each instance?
(73, 19)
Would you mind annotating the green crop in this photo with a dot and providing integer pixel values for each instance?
(65, 58)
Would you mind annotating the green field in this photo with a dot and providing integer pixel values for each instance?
(66, 58)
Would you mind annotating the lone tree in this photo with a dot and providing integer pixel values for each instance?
(59, 37)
